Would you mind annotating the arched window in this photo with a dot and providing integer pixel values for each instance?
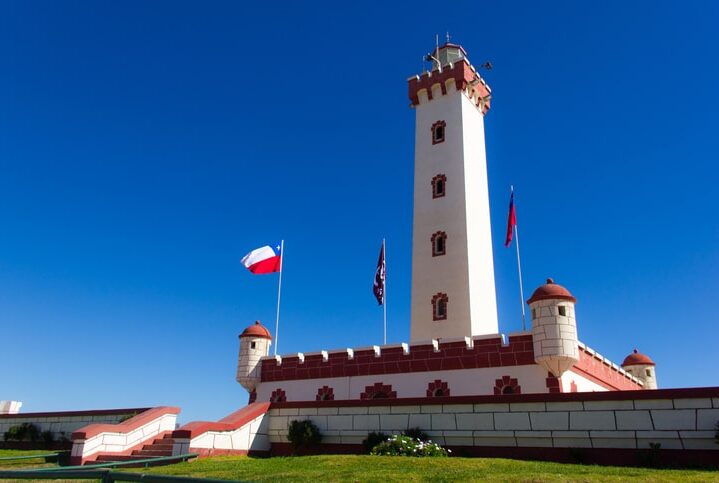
(278, 395)
(325, 393)
(439, 306)
(438, 129)
(378, 391)
(507, 385)
(439, 186)
(439, 244)
(437, 388)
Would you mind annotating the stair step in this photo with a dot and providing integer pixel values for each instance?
(158, 446)
(150, 453)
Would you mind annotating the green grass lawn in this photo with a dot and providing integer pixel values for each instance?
(10, 465)
(384, 469)
(387, 469)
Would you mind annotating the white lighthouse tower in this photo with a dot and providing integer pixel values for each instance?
(453, 293)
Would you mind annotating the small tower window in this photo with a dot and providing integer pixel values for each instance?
(649, 373)
(534, 313)
(253, 344)
(438, 132)
(439, 306)
(439, 186)
(439, 244)
(562, 310)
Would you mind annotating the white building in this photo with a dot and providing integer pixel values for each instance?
(455, 347)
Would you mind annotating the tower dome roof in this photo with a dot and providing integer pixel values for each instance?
(256, 330)
(637, 358)
(551, 291)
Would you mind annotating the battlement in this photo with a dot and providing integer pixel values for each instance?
(434, 355)
(596, 366)
(461, 74)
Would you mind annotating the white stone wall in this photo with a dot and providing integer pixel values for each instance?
(674, 423)
(583, 384)
(462, 382)
(116, 442)
(60, 425)
(10, 407)
(466, 272)
(554, 335)
(252, 436)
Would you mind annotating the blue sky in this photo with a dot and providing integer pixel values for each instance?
(145, 147)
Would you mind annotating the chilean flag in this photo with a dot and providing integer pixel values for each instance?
(266, 259)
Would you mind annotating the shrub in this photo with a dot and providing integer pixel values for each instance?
(416, 433)
(400, 445)
(23, 432)
(303, 433)
(373, 439)
(47, 437)
(652, 456)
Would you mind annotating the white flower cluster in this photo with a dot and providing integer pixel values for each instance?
(401, 445)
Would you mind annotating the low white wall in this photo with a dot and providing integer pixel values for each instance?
(252, 436)
(120, 442)
(10, 407)
(678, 423)
(62, 424)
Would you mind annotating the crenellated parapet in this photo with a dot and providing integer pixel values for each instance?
(460, 76)
(597, 367)
(435, 355)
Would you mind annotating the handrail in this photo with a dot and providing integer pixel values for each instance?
(115, 464)
(105, 475)
(27, 457)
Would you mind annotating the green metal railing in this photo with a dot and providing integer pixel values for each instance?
(30, 457)
(104, 475)
(146, 462)
(103, 471)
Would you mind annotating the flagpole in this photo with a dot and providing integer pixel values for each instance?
(519, 270)
(279, 292)
(384, 292)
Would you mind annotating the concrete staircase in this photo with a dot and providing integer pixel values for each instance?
(158, 448)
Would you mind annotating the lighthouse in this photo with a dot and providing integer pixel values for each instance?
(453, 292)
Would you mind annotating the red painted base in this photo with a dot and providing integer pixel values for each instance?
(598, 456)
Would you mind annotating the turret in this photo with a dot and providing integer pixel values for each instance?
(255, 343)
(554, 328)
(641, 367)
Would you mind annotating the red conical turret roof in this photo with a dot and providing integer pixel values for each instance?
(256, 330)
(636, 358)
(551, 291)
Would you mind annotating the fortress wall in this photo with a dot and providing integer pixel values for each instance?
(413, 366)
(63, 423)
(677, 419)
(602, 371)
(423, 357)
(462, 382)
